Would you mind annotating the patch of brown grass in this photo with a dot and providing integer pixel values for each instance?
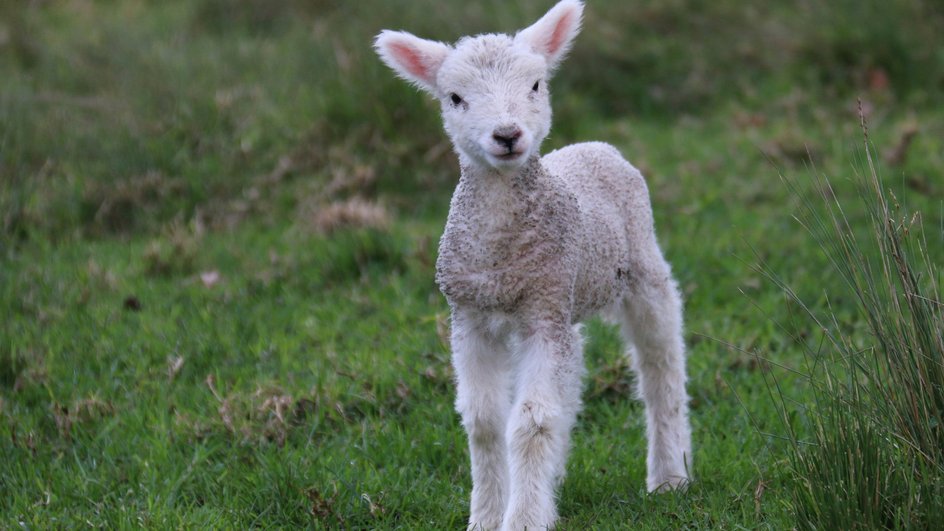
(81, 411)
(267, 414)
(175, 251)
(351, 213)
(119, 204)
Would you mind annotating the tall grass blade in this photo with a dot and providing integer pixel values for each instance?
(877, 394)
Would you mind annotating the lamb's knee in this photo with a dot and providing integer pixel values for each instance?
(483, 432)
(534, 420)
(484, 422)
(536, 429)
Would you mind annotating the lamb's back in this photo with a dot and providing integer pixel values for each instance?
(596, 172)
(616, 217)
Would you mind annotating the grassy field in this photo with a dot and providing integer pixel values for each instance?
(218, 225)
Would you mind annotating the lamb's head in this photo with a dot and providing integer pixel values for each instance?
(492, 88)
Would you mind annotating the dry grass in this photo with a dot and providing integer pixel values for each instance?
(351, 213)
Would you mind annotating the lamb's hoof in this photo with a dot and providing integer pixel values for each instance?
(668, 484)
(546, 527)
(527, 524)
(484, 524)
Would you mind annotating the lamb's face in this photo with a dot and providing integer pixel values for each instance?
(494, 100)
(493, 88)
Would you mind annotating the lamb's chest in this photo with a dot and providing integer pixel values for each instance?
(472, 272)
(504, 244)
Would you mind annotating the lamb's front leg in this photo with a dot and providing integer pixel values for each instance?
(547, 400)
(483, 399)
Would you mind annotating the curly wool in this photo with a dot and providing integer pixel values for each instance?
(565, 233)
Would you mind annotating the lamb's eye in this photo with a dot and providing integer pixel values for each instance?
(537, 85)
(456, 100)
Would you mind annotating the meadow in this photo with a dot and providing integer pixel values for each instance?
(218, 230)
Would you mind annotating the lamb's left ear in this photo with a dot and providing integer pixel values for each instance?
(414, 59)
(553, 34)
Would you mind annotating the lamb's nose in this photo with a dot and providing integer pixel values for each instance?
(507, 136)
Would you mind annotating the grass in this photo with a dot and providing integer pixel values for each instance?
(875, 456)
(218, 224)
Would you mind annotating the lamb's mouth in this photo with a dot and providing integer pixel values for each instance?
(511, 155)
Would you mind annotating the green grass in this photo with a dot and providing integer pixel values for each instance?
(144, 145)
(874, 458)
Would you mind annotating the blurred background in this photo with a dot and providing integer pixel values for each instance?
(218, 225)
(118, 116)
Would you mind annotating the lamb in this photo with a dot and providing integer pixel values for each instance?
(533, 246)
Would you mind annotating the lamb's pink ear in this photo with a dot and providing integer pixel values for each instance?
(554, 33)
(412, 58)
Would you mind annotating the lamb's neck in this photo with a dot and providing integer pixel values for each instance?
(492, 205)
(491, 181)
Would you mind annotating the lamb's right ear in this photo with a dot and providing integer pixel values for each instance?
(412, 58)
(553, 35)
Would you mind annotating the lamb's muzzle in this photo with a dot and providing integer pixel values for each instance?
(507, 136)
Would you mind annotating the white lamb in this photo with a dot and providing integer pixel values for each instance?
(533, 245)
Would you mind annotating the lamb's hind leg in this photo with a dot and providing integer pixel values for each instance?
(652, 322)
(483, 399)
